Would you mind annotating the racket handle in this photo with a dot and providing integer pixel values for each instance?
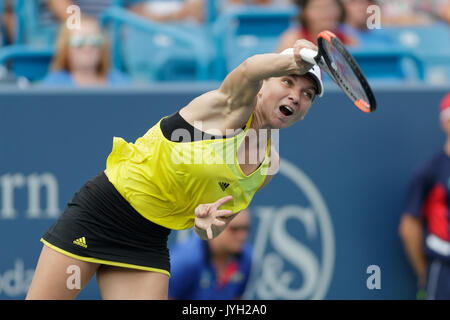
(308, 55)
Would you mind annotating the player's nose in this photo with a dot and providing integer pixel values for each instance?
(294, 98)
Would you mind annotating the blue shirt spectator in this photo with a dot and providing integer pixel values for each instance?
(213, 270)
(194, 276)
(82, 58)
(425, 223)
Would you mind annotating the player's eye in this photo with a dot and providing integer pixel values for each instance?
(308, 94)
(287, 82)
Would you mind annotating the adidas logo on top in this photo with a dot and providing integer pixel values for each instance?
(223, 185)
(80, 242)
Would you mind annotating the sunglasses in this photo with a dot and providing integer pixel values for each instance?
(77, 41)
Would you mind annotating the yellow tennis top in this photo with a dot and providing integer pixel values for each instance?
(165, 181)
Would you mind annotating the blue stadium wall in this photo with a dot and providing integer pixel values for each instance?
(320, 228)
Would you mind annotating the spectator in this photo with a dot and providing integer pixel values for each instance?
(316, 16)
(82, 58)
(7, 22)
(218, 269)
(427, 206)
(414, 12)
(355, 25)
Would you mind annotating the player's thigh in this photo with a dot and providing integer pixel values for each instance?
(117, 283)
(58, 276)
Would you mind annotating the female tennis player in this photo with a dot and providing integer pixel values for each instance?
(116, 226)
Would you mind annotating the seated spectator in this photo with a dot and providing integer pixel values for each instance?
(82, 58)
(316, 16)
(356, 25)
(7, 22)
(414, 12)
(218, 269)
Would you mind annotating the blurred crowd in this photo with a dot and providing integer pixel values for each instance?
(82, 56)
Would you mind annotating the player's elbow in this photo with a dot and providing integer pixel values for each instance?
(246, 67)
(250, 68)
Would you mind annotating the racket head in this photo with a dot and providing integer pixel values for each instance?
(345, 72)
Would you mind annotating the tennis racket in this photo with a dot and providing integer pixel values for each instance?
(335, 60)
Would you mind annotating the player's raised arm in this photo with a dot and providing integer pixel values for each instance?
(243, 83)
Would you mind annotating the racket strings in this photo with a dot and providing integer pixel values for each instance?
(345, 72)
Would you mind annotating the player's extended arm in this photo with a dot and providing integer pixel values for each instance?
(243, 83)
(410, 230)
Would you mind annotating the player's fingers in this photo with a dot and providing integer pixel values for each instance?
(301, 44)
(202, 211)
(199, 225)
(209, 233)
(219, 222)
(224, 213)
(222, 201)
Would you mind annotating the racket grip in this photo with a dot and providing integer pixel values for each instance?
(308, 55)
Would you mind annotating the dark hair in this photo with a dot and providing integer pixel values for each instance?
(302, 4)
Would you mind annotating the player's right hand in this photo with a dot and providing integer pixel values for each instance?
(208, 215)
(299, 45)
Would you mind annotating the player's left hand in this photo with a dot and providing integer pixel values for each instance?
(208, 215)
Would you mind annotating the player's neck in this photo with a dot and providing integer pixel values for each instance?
(259, 122)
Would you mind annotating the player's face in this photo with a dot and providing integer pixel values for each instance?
(286, 100)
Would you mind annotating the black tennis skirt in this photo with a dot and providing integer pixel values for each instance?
(100, 226)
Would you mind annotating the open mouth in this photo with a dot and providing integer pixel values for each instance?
(286, 110)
